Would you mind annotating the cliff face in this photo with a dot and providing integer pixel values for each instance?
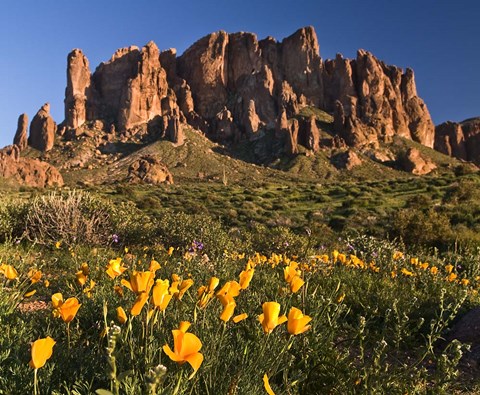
(235, 87)
(461, 140)
(372, 102)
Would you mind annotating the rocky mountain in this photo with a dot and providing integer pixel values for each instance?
(235, 88)
(461, 140)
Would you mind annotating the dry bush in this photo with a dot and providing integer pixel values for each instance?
(72, 217)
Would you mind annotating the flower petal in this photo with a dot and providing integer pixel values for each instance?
(195, 360)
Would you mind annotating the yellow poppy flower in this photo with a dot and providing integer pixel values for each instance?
(57, 300)
(266, 385)
(88, 290)
(397, 255)
(205, 293)
(465, 281)
(270, 319)
(296, 284)
(139, 303)
(121, 315)
(154, 266)
(231, 288)
(239, 317)
(433, 270)
(213, 283)
(183, 287)
(449, 268)
(228, 310)
(245, 278)
(42, 350)
(178, 287)
(451, 277)
(68, 309)
(297, 322)
(186, 347)
(9, 272)
(407, 273)
(31, 293)
(160, 296)
(81, 278)
(170, 251)
(290, 272)
(115, 268)
(34, 275)
(139, 282)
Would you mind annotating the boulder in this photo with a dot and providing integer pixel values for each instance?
(27, 171)
(413, 162)
(21, 139)
(310, 135)
(149, 169)
(346, 160)
(42, 130)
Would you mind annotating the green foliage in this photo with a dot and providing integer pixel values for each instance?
(182, 230)
(12, 219)
(429, 228)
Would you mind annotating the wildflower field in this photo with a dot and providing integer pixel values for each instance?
(185, 306)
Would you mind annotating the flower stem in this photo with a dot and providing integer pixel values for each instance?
(35, 382)
(68, 335)
(177, 387)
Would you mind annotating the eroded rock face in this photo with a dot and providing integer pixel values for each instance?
(235, 87)
(78, 91)
(27, 171)
(302, 65)
(21, 139)
(42, 130)
(373, 101)
(149, 170)
(204, 67)
(460, 140)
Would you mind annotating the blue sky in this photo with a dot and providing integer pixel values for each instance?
(439, 39)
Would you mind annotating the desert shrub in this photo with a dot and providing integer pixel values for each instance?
(182, 230)
(428, 228)
(12, 219)
(72, 217)
(276, 239)
(129, 223)
(337, 223)
(462, 192)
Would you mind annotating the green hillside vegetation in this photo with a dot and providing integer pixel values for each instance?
(383, 262)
